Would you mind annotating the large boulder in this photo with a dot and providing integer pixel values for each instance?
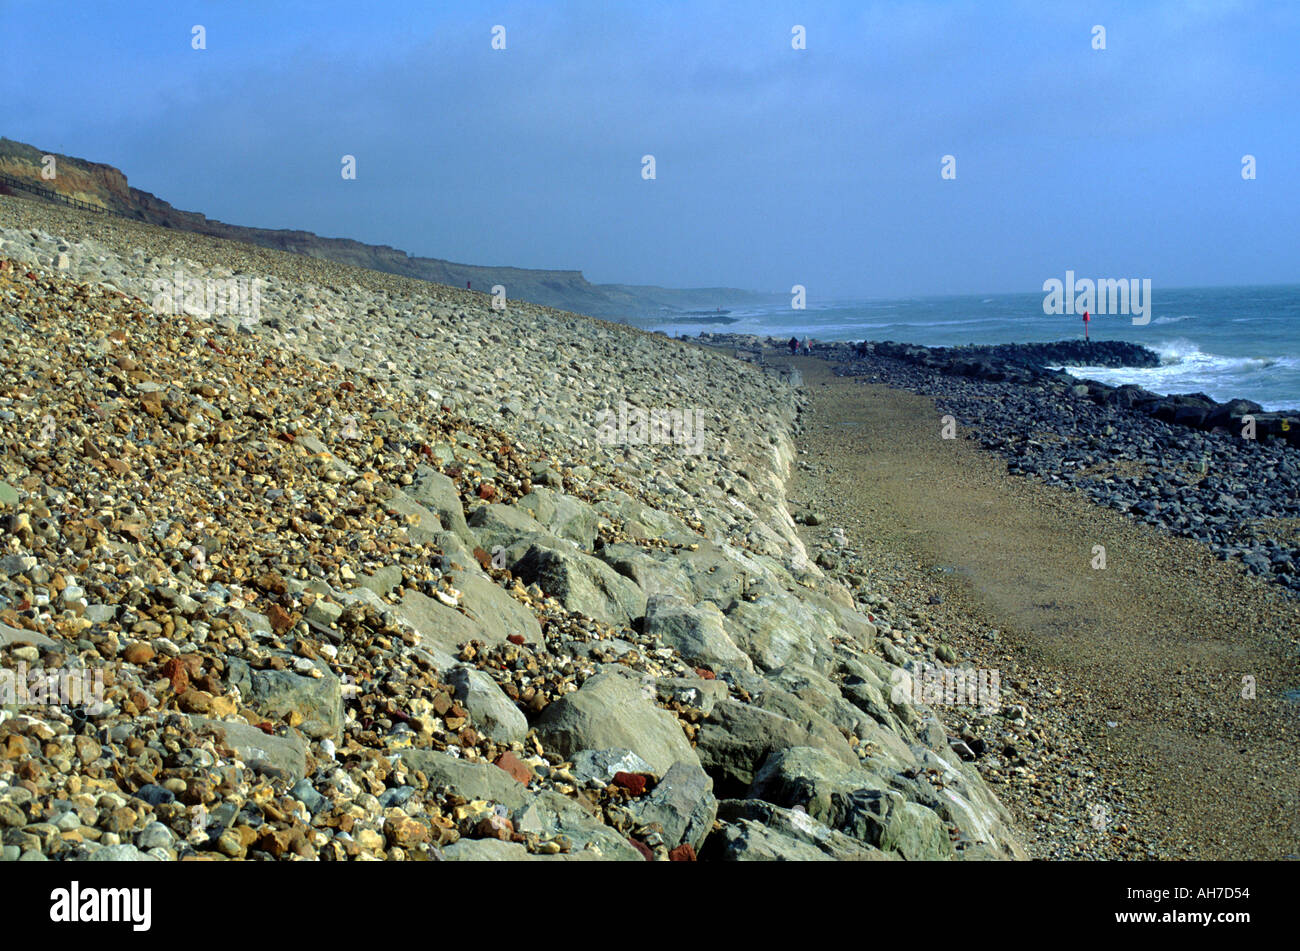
(884, 819)
(583, 584)
(495, 850)
(433, 490)
(486, 613)
(867, 696)
(121, 853)
(491, 607)
(649, 570)
(457, 552)
(16, 635)
(823, 695)
(612, 711)
(641, 521)
(707, 573)
(287, 696)
(775, 630)
(696, 632)
(604, 765)
(493, 713)
(827, 734)
(714, 574)
(985, 828)
(422, 524)
(471, 780)
(488, 850)
(737, 738)
(274, 756)
(498, 525)
(438, 624)
(755, 831)
(682, 805)
(811, 778)
(549, 814)
(1229, 414)
(695, 692)
(837, 605)
(383, 580)
(562, 515)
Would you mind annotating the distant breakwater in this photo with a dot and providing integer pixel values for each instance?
(1178, 462)
(1029, 363)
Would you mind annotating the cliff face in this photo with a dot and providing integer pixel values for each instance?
(107, 187)
(94, 182)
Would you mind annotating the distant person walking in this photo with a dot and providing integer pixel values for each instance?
(467, 285)
(1085, 327)
(794, 345)
(807, 346)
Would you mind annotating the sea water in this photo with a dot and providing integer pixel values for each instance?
(1225, 342)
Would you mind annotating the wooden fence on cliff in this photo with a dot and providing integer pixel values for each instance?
(48, 193)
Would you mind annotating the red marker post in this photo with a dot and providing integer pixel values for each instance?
(1085, 326)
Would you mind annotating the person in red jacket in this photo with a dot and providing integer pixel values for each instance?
(1085, 327)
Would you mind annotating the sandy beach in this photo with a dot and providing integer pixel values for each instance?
(1131, 677)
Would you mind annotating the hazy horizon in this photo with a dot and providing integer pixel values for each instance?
(774, 166)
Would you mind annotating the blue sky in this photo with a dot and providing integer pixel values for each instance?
(774, 166)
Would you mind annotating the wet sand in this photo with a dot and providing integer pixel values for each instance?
(1157, 643)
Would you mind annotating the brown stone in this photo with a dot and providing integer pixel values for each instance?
(516, 767)
(272, 583)
(138, 653)
(121, 819)
(495, 827)
(683, 853)
(405, 832)
(152, 404)
(176, 671)
(195, 701)
(13, 747)
(281, 620)
(197, 791)
(275, 842)
(224, 706)
(88, 748)
(634, 783)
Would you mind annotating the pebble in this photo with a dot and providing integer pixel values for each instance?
(154, 836)
(214, 496)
